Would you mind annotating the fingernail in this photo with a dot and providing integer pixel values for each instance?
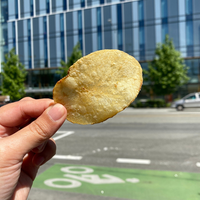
(56, 112)
(41, 147)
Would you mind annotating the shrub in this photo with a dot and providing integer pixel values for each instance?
(149, 103)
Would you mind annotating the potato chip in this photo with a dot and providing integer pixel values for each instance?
(98, 86)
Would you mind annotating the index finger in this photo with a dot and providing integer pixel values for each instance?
(15, 114)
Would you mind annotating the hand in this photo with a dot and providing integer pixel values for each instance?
(26, 127)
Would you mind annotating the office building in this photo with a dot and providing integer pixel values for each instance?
(44, 32)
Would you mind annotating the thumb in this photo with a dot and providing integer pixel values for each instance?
(40, 130)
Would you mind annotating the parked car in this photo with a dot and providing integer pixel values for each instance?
(190, 101)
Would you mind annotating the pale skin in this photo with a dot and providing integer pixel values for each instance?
(26, 128)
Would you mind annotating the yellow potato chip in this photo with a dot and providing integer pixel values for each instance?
(98, 86)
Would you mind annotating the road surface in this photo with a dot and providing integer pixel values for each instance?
(143, 154)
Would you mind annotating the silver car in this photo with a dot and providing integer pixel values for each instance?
(190, 101)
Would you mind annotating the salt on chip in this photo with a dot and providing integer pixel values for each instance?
(98, 86)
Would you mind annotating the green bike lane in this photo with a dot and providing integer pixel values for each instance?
(120, 182)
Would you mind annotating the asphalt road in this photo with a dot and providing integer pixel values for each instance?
(158, 140)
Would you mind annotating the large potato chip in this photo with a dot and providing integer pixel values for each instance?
(98, 86)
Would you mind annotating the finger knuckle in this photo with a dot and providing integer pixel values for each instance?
(26, 99)
(40, 129)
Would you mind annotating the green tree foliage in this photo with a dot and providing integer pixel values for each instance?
(14, 75)
(167, 71)
(76, 54)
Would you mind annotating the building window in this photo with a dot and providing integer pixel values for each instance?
(47, 7)
(29, 44)
(14, 34)
(99, 29)
(24, 42)
(142, 42)
(94, 2)
(141, 10)
(64, 5)
(13, 9)
(164, 31)
(188, 6)
(56, 45)
(189, 28)
(11, 36)
(62, 37)
(193, 69)
(31, 9)
(82, 3)
(141, 29)
(164, 9)
(76, 4)
(42, 7)
(80, 29)
(4, 12)
(26, 8)
(57, 5)
(45, 41)
(39, 53)
(71, 4)
(113, 1)
(189, 38)
(119, 27)
(164, 15)
(16, 9)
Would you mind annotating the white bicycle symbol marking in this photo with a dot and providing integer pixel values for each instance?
(75, 175)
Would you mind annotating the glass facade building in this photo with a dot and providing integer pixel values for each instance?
(44, 32)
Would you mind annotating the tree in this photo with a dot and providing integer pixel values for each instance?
(167, 71)
(14, 75)
(76, 54)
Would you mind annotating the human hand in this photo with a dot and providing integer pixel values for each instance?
(26, 128)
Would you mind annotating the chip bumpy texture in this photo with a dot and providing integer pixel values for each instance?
(98, 86)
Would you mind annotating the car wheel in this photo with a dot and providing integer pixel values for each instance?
(179, 107)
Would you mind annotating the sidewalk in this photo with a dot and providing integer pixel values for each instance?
(156, 115)
(160, 110)
(130, 109)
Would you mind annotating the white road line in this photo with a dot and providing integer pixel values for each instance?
(61, 132)
(133, 161)
(198, 164)
(67, 157)
(63, 135)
